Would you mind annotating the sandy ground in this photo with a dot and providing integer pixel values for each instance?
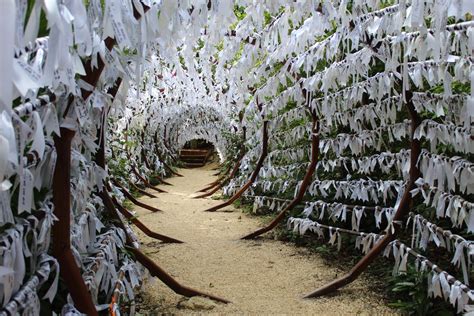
(262, 277)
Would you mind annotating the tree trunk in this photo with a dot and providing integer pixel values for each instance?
(61, 230)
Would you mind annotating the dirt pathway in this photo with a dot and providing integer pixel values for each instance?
(259, 277)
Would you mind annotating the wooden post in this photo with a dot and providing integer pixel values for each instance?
(141, 190)
(304, 185)
(129, 216)
(145, 181)
(129, 196)
(61, 230)
(218, 184)
(401, 212)
(156, 271)
(254, 175)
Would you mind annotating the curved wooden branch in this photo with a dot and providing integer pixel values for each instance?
(401, 212)
(213, 184)
(170, 169)
(129, 216)
(254, 175)
(129, 196)
(160, 179)
(148, 263)
(304, 185)
(141, 190)
(158, 272)
(147, 164)
(222, 183)
(61, 229)
(218, 184)
(216, 187)
(145, 181)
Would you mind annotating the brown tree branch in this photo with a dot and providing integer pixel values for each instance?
(401, 212)
(304, 185)
(158, 272)
(145, 181)
(141, 190)
(254, 175)
(218, 184)
(129, 196)
(61, 230)
(129, 216)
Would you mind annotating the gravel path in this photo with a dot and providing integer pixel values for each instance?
(259, 277)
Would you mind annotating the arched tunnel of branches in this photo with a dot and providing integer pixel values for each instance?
(347, 125)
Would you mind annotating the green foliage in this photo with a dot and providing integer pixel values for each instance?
(289, 106)
(234, 147)
(43, 26)
(220, 46)
(182, 61)
(239, 12)
(154, 179)
(218, 197)
(387, 3)
(268, 18)
(411, 290)
(127, 204)
(199, 45)
(237, 55)
(118, 168)
(234, 141)
(456, 86)
(258, 63)
(244, 206)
